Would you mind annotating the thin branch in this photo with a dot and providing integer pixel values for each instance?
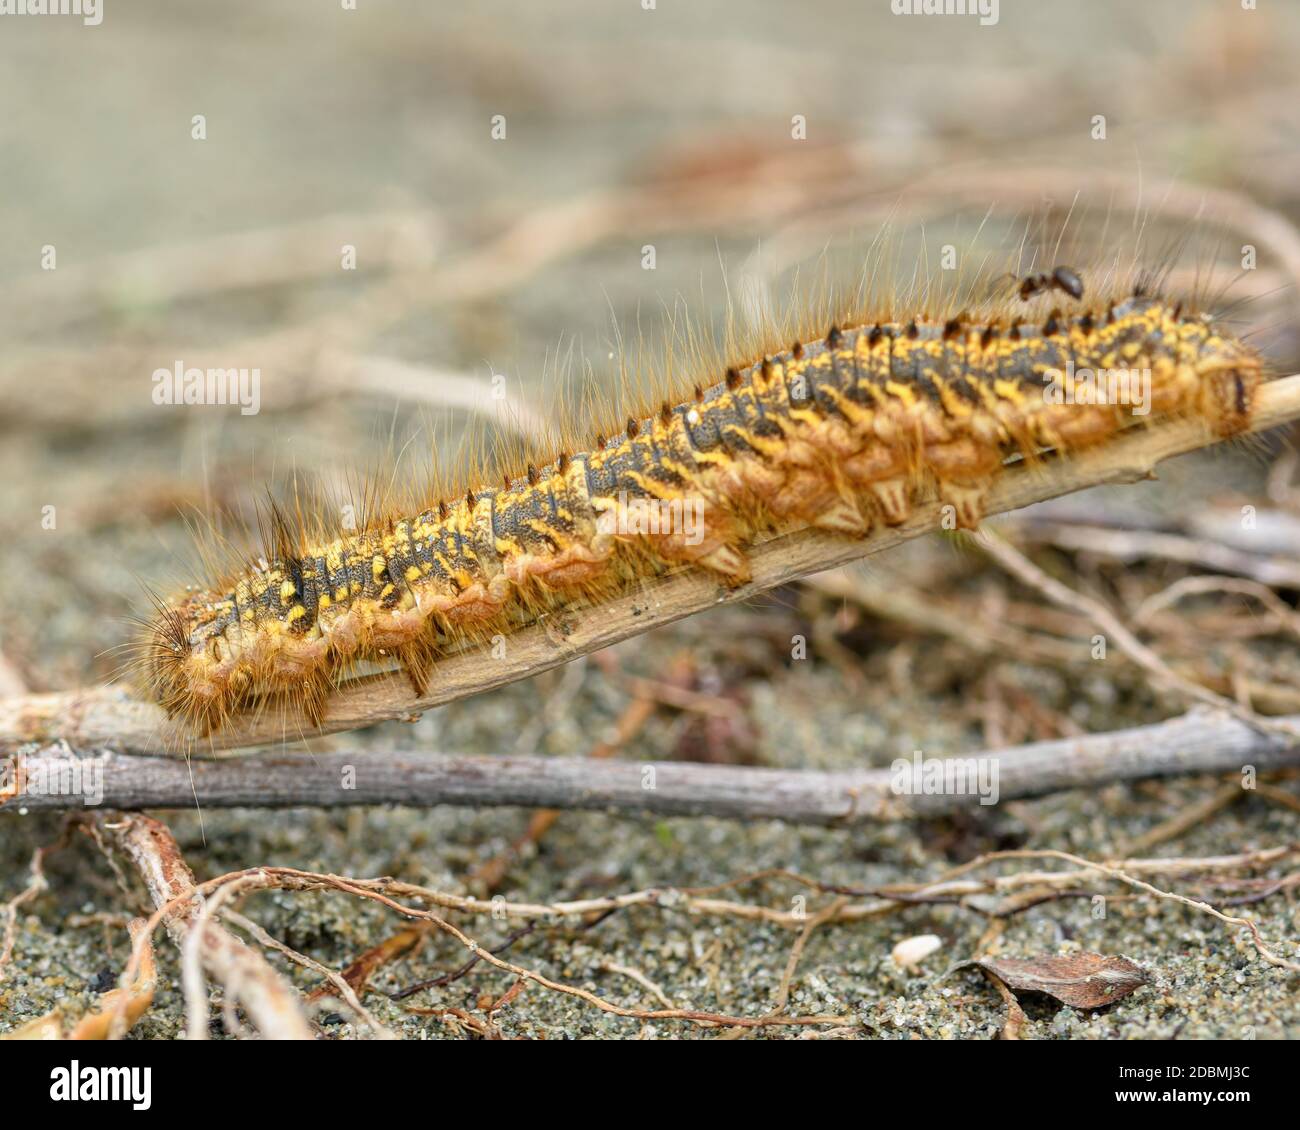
(1203, 741)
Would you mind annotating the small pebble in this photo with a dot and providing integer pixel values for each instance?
(910, 952)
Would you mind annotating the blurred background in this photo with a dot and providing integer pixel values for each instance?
(500, 170)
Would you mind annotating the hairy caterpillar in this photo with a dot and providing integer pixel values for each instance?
(838, 433)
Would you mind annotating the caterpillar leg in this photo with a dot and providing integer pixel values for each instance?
(728, 563)
(715, 547)
(808, 496)
(1077, 425)
(417, 664)
(964, 469)
(966, 500)
(315, 698)
(893, 497)
(1232, 397)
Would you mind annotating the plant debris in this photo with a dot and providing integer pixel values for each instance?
(1081, 980)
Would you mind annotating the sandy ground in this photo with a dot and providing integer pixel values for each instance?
(311, 115)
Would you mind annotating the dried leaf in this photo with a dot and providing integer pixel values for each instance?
(1016, 1018)
(1081, 980)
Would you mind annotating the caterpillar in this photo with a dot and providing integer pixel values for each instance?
(838, 432)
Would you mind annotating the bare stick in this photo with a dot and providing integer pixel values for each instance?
(108, 717)
(1203, 741)
(267, 998)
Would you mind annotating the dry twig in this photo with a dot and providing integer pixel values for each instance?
(1202, 741)
(269, 1000)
